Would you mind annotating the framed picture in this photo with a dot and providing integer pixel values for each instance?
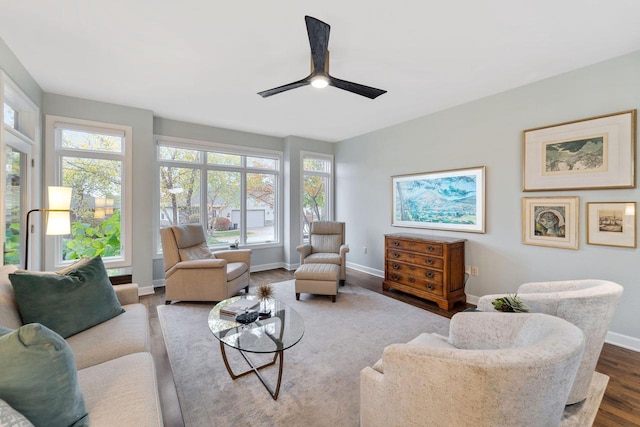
(612, 224)
(593, 153)
(444, 200)
(550, 221)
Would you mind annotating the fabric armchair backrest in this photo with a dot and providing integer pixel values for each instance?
(183, 242)
(191, 242)
(326, 236)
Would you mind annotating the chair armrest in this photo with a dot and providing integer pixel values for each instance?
(305, 251)
(343, 250)
(235, 255)
(201, 263)
(127, 293)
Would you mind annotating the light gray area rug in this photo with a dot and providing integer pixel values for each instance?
(321, 378)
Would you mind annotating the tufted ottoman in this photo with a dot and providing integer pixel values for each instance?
(319, 279)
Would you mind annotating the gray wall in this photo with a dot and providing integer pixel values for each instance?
(14, 69)
(488, 132)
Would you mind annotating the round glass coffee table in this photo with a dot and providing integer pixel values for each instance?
(282, 330)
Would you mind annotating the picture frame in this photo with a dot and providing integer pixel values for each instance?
(443, 200)
(550, 221)
(593, 153)
(611, 224)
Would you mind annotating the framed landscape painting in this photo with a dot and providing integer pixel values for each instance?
(612, 224)
(594, 153)
(444, 200)
(550, 221)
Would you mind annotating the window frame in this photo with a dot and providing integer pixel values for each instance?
(304, 155)
(55, 153)
(23, 136)
(204, 166)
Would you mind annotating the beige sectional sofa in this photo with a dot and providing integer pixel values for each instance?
(116, 371)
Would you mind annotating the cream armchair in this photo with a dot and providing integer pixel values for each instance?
(588, 304)
(494, 369)
(326, 246)
(194, 273)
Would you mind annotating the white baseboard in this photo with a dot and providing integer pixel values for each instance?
(624, 341)
(273, 266)
(365, 269)
(146, 290)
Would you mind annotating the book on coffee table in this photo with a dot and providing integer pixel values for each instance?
(238, 307)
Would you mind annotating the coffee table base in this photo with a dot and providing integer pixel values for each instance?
(256, 369)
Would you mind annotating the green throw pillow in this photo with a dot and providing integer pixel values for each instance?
(39, 377)
(69, 303)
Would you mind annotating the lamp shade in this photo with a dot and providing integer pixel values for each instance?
(58, 223)
(59, 220)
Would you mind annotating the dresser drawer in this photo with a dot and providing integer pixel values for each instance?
(415, 271)
(417, 281)
(412, 245)
(415, 258)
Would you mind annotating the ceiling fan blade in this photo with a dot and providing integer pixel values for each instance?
(368, 91)
(284, 88)
(318, 32)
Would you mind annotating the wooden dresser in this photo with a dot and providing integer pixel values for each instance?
(430, 268)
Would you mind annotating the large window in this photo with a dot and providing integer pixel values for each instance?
(92, 158)
(317, 177)
(233, 194)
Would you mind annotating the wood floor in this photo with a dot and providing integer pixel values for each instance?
(620, 405)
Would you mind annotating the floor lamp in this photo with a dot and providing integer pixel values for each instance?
(58, 216)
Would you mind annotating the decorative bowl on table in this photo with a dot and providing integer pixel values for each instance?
(246, 317)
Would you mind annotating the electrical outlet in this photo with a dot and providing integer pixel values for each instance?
(474, 271)
(467, 269)
(364, 250)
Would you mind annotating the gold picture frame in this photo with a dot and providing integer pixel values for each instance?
(593, 153)
(611, 224)
(550, 221)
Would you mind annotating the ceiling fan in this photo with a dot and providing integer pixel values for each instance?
(318, 32)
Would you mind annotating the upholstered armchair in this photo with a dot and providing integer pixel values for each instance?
(193, 273)
(588, 304)
(326, 246)
(493, 369)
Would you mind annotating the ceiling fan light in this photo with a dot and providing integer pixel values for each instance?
(320, 82)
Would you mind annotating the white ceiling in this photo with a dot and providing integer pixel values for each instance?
(203, 61)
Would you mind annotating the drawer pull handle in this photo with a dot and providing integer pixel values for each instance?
(411, 280)
(396, 277)
(396, 266)
(430, 287)
(430, 274)
(430, 261)
(396, 255)
(430, 248)
(396, 243)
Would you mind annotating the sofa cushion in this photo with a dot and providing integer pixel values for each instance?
(9, 417)
(39, 377)
(124, 334)
(70, 303)
(122, 392)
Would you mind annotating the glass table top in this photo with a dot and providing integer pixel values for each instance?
(276, 333)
